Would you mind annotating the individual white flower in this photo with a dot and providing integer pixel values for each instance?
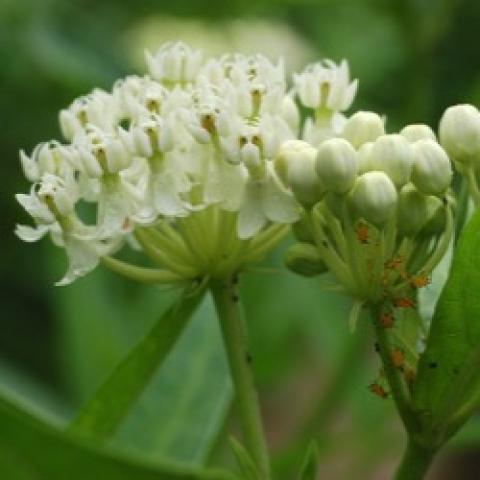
(101, 153)
(174, 63)
(98, 108)
(49, 157)
(51, 204)
(326, 85)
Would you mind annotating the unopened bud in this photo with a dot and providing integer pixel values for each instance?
(412, 213)
(393, 155)
(459, 133)
(418, 131)
(374, 197)
(363, 127)
(304, 259)
(336, 165)
(295, 165)
(432, 171)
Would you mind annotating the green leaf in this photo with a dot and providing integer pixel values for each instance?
(186, 404)
(448, 385)
(309, 469)
(244, 460)
(31, 449)
(101, 416)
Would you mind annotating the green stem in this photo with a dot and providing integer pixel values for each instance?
(225, 295)
(398, 388)
(415, 462)
(473, 186)
(462, 208)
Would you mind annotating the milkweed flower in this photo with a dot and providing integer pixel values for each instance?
(325, 87)
(178, 163)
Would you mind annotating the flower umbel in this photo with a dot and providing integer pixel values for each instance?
(383, 215)
(177, 163)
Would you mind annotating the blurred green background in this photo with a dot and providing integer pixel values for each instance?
(413, 58)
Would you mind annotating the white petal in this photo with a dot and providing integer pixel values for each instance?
(82, 257)
(30, 234)
(278, 204)
(30, 167)
(251, 218)
(166, 199)
(34, 207)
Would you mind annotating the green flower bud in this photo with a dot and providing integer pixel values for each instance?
(374, 197)
(459, 133)
(418, 131)
(363, 127)
(432, 171)
(336, 165)
(393, 155)
(412, 212)
(295, 165)
(304, 259)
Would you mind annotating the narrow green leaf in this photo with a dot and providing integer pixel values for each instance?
(244, 460)
(102, 415)
(186, 403)
(31, 449)
(310, 464)
(448, 384)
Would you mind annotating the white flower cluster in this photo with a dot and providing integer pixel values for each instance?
(177, 160)
(377, 213)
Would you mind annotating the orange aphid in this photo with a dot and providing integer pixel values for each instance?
(404, 302)
(398, 358)
(420, 281)
(126, 224)
(378, 390)
(387, 320)
(395, 263)
(409, 375)
(362, 232)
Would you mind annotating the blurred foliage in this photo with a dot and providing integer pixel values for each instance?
(413, 58)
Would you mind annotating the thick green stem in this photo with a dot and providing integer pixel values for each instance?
(415, 462)
(226, 299)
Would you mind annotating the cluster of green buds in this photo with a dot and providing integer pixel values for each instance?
(377, 212)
